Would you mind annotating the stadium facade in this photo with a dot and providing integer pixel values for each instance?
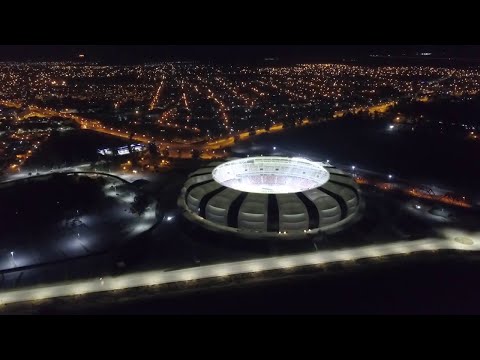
(271, 197)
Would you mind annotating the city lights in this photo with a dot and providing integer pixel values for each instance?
(179, 173)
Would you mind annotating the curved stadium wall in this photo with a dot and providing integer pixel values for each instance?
(271, 198)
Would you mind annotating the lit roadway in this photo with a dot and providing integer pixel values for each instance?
(383, 107)
(214, 144)
(229, 141)
(449, 239)
(97, 126)
(380, 108)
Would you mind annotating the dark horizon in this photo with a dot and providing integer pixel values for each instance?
(228, 53)
(274, 179)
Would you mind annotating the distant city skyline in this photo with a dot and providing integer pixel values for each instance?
(136, 176)
(225, 53)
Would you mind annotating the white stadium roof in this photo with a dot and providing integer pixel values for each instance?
(271, 175)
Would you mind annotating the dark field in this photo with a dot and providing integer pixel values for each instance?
(72, 148)
(422, 285)
(437, 160)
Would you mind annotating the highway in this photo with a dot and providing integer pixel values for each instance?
(96, 125)
(381, 108)
(449, 239)
(184, 149)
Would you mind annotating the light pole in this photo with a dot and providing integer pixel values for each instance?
(13, 259)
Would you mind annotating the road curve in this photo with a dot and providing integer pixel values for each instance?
(450, 239)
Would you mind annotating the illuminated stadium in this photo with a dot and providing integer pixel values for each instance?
(271, 175)
(271, 197)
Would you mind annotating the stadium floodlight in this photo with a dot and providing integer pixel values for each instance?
(271, 175)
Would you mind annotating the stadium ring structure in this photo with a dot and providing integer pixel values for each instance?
(271, 197)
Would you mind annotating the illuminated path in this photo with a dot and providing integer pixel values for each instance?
(451, 239)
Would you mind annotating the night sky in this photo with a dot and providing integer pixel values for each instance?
(228, 53)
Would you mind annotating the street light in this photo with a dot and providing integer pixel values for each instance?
(390, 176)
(274, 148)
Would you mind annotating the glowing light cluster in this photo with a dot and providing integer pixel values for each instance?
(271, 175)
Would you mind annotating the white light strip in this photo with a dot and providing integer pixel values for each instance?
(159, 277)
